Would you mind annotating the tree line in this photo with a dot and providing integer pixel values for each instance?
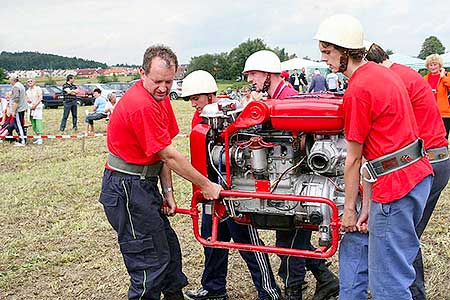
(229, 65)
(40, 61)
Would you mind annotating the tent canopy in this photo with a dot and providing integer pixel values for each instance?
(413, 62)
(298, 63)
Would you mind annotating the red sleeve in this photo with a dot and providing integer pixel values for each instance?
(357, 117)
(151, 131)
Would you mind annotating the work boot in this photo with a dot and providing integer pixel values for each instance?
(202, 294)
(293, 293)
(174, 296)
(327, 284)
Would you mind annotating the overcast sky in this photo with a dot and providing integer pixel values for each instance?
(119, 31)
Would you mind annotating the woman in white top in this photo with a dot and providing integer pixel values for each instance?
(34, 99)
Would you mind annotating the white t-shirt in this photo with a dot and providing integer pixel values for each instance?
(34, 94)
(109, 107)
(332, 81)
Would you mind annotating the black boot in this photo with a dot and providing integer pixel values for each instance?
(293, 293)
(174, 296)
(327, 284)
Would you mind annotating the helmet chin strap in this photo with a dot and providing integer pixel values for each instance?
(266, 84)
(343, 63)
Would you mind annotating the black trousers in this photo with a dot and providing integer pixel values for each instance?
(447, 126)
(149, 245)
(216, 259)
(441, 175)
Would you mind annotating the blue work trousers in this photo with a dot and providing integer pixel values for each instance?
(394, 244)
(148, 244)
(353, 266)
(216, 259)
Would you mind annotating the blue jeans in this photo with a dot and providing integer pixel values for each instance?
(353, 266)
(69, 106)
(394, 244)
(441, 175)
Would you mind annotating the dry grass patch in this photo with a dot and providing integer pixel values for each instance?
(55, 242)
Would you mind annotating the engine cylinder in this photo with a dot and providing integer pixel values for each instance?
(259, 160)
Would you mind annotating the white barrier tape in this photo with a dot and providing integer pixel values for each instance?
(66, 136)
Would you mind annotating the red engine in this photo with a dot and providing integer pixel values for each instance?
(281, 163)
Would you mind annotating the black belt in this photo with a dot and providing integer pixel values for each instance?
(393, 161)
(143, 171)
(436, 155)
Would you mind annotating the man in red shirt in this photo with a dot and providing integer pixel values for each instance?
(140, 134)
(432, 131)
(399, 170)
(263, 70)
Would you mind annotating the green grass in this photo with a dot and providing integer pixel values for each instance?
(55, 241)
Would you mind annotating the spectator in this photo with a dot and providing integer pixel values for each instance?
(286, 78)
(249, 96)
(112, 100)
(303, 81)
(439, 81)
(332, 82)
(18, 105)
(34, 99)
(70, 92)
(98, 111)
(318, 83)
(295, 82)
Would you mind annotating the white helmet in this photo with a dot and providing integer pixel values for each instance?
(264, 61)
(198, 82)
(341, 30)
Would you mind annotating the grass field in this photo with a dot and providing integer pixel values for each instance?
(55, 241)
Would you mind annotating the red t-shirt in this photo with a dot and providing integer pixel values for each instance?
(196, 119)
(283, 91)
(378, 114)
(433, 80)
(426, 111)
(140, 126)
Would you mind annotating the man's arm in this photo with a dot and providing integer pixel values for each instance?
(178, 163)
(38, 101)
(167, 186)
(351, 179)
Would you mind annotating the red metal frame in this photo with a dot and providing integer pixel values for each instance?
(321, 252)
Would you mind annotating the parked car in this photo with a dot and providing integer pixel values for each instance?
(123, 86)
(86, 95)
(175, 91)
(106, 89)
(52, 96)
(4, 88)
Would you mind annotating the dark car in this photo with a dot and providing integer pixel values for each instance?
(52, 96)
(4, 88)
(86, 95)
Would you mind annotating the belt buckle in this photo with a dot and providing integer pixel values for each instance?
(372, 175)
